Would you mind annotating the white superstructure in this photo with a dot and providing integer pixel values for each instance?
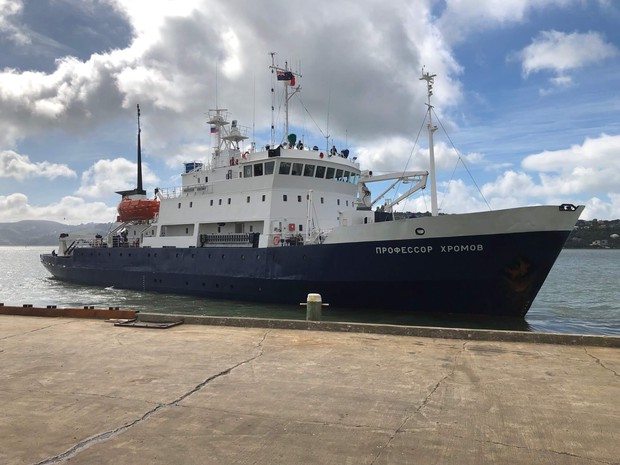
(283, 195)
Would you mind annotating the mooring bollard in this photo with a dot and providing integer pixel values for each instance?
(314, 304)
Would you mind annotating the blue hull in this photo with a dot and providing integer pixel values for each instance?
(494, 274)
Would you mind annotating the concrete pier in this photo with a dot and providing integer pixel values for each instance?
(84, 391)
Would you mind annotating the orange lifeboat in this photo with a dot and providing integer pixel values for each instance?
(137, 210)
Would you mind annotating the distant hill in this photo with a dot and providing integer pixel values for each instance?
(595, 234)
(38, 232)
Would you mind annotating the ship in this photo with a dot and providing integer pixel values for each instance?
(275, 223)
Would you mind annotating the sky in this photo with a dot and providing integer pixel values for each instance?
(526, 95)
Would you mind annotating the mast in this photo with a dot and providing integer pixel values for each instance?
(288, 78)
(273, 98)
(139, 191)
(430, 80)
(139, 187)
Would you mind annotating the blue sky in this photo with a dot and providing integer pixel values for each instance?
(527, 90)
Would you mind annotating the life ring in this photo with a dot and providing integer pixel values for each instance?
(276, 240)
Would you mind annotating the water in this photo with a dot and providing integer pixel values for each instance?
(581, 296)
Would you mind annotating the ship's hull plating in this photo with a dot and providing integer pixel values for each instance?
(497, 274)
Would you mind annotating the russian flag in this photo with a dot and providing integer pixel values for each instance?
(213, 129)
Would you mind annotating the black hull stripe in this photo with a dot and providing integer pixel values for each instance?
(497, 274)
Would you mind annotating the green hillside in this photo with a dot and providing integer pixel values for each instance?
(37, 232)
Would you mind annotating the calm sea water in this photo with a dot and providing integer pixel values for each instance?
(581, 296)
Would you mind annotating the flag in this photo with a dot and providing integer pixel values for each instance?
(285, 76)
(213, 129)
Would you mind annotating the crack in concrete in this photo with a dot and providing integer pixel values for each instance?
(34, 330)
(428, 397)
(598, 361)
(552, 451)
(93, 440)
(422, 405)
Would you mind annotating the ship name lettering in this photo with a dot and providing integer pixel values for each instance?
(462, 248)
(404, 250)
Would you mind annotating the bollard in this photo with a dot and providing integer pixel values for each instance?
(314, 303)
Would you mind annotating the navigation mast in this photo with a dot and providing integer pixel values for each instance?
(139, 191)
(288, 78)
(430, 80)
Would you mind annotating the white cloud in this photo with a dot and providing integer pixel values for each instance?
(9, 12)
(190, 152)
(14, 165)
(107, 176)
(461, 17)
(70, 210)
(452, 197)
(599, 209)
(593, 165)
(170, 66)
(560, 52)
(555, 177)
(396, 154)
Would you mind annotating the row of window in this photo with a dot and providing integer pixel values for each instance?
(300, 169)
(284, 199)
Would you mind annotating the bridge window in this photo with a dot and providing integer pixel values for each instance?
(309, 170)
(247, 171)
(258, 169)
(269, 165)
(297, 169)
(320, 171)
(338, 175)
(285, 167)
(330, 173)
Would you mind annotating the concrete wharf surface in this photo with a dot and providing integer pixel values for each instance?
(87, 392)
